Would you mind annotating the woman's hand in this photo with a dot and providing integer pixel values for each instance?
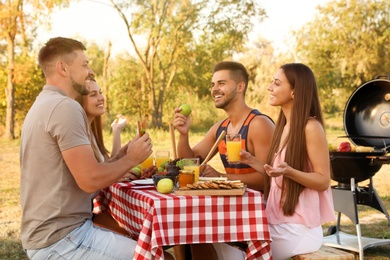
(119, 123)
(282, 169)
(252, 161)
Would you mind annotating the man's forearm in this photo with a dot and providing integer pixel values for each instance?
(184, 149)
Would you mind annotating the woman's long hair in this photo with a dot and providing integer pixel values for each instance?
(95, 130)
(306, 105)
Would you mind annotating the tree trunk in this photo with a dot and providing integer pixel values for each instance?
(105, 77)
(10, 92)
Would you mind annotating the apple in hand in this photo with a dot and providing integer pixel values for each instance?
(185, 109)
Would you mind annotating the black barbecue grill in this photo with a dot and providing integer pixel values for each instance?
(366, 123)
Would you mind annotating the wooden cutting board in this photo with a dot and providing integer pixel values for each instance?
(212, 192)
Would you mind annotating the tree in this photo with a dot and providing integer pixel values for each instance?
(172, 29)
(127, 86)
(262, 63)
(347, 44)
(15, 22)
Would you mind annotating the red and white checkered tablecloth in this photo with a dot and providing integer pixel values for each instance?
(156, 220)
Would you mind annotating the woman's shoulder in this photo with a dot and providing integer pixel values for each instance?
(313, 124)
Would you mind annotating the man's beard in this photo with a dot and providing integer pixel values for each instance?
(80, 88)
(229, 98)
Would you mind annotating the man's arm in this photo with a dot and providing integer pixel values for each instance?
(203, 147)
(91, 175)
(260, 134)
(184, 149)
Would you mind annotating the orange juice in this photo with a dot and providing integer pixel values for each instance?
(233, 151)
(149, 162)
(160, 160)
(194, 168)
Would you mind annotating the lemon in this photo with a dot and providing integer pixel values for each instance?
(185, 109)
(165, 186)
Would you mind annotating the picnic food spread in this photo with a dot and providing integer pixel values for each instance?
(200, 185)
(213, 187)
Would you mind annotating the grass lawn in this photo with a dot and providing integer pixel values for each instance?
(373, 223)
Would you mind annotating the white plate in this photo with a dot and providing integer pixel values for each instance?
(143, 181)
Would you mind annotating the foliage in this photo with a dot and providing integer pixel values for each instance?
(18, 21)
(26, 88)
(262, 63)
(95, 57)
(128, 89)
(347, 44)
(130, 100)
(28, 83)
(172, 31)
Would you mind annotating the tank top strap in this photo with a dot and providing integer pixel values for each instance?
(236, 168)
(222, 126)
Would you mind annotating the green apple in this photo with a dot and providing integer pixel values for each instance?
(137, 171)
(185, 109)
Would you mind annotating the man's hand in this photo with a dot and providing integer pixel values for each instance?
(129, 177)
(209, 171)
(139, 149)
(181, 123)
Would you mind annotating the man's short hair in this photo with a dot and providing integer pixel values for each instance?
(57, 47)
(238, 71)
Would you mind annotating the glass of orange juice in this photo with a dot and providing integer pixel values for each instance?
(233, 146)
(162, 156)
(192, 164)
(149, 162)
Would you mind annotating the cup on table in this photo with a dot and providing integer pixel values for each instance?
(192, 164)
(185, 177)
(149, 162)
(233, 146)
(162, 156)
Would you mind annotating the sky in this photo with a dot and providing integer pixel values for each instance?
(95, 20)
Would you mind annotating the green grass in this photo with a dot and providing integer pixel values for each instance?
(10, 211)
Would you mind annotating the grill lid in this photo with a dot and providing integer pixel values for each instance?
(367, 114)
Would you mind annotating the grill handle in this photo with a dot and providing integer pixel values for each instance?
(386, 76)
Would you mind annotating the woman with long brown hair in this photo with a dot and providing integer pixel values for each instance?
(297, 172)
(93, 105)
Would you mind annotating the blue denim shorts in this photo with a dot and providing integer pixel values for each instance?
(88, 242)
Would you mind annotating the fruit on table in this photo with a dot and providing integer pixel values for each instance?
(179, 164)
(148, 172)
(344, 147)
(333, 147)
(364, 149)
(165, 186)
(185, 109)
(137, 171)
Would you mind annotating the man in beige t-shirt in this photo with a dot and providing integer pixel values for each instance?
(59, 172)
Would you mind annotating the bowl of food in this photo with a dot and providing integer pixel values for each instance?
(164, 183)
